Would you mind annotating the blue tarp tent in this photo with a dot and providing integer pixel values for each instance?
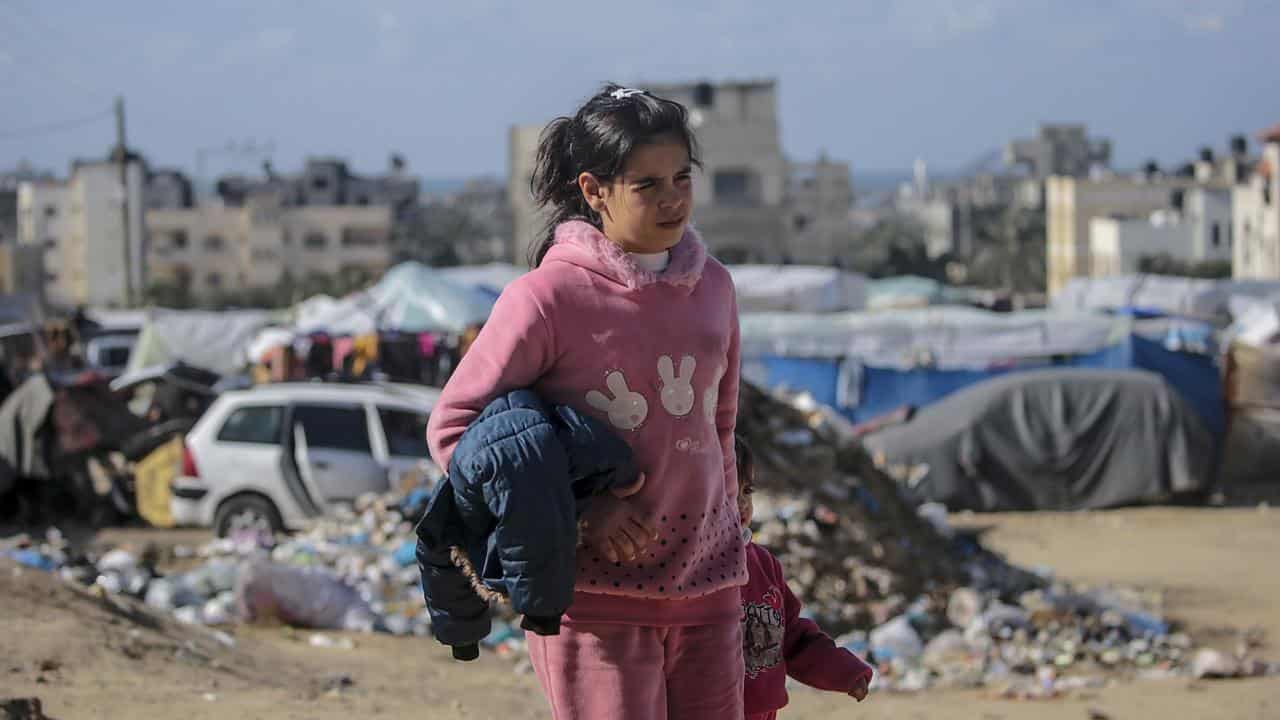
(865, 365)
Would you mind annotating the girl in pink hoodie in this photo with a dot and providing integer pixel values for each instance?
(625, 316)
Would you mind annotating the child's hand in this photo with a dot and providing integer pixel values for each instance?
(609, 526)
(859, 690)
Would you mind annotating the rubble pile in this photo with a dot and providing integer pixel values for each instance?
(853, 547)
(926, 603)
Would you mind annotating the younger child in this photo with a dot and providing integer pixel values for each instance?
(777, 642)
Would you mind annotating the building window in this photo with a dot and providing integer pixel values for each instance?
(315, 241)
(50, 211)
(362, 237)
(733, 188)
(213, 280)
(178, 239)
(320, 184)
(50, 243)
(1215, 233)
(214, 243)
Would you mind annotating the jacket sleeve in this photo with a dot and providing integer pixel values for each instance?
(530, 499)
(459, 617)
(811, 655)
(727, 402)
(514, 348)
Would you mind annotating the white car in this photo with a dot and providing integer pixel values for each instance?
(274, 456)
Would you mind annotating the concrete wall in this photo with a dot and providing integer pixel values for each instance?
(229, 248)
(97, 237)
(526, 220)
(1256, 220)
(1208, 212)
(1117, 245)
(1071, 203)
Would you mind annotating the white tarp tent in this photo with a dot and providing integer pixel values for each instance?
(411, 298)
(347, 316)
(213, 341)
(493, 277)
(943, 337)
(1203, 299)
(1256, 321)
(797, 288)
(907, 291)
(112, 320)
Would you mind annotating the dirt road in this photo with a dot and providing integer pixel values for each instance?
(90, 657)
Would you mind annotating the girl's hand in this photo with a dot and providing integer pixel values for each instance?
(859, 690)
(610, 526)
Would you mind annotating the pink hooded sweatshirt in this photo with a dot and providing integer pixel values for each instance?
(655, 355)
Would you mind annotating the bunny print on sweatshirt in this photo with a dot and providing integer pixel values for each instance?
(627, 409)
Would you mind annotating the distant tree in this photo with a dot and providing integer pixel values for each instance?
(1009, 245)
(317, 283)
(894, 246)
(431, 234)
(170, 294)
(1165, 264)
(286, 289)
(353, 278)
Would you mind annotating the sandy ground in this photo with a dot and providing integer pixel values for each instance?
(90, 657)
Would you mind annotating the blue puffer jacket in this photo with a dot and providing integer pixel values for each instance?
(506, 517)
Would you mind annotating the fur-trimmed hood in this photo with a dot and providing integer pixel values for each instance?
(580, 243)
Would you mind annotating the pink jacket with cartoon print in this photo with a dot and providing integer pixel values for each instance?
(656, 356)
(777, 642)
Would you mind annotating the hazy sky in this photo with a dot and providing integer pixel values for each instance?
(874, 82)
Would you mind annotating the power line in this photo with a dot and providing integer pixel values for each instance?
(53, 127)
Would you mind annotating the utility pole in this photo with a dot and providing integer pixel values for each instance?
(122, 157)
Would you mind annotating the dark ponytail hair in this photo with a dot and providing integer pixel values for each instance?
(746, 459)
(598, 139)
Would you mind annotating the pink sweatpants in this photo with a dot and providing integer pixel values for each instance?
(598, 671)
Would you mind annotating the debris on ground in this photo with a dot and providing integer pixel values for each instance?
(924, 602)
(22, 709)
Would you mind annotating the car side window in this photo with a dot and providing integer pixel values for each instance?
(253, 424)
(406, 432)
(335, 427)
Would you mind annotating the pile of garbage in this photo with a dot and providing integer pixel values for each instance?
(356, 572)
(924, 602)
(854, 547)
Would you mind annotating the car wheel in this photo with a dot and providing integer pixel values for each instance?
(247, 513)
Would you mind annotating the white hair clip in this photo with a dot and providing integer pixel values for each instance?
(624, 93)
